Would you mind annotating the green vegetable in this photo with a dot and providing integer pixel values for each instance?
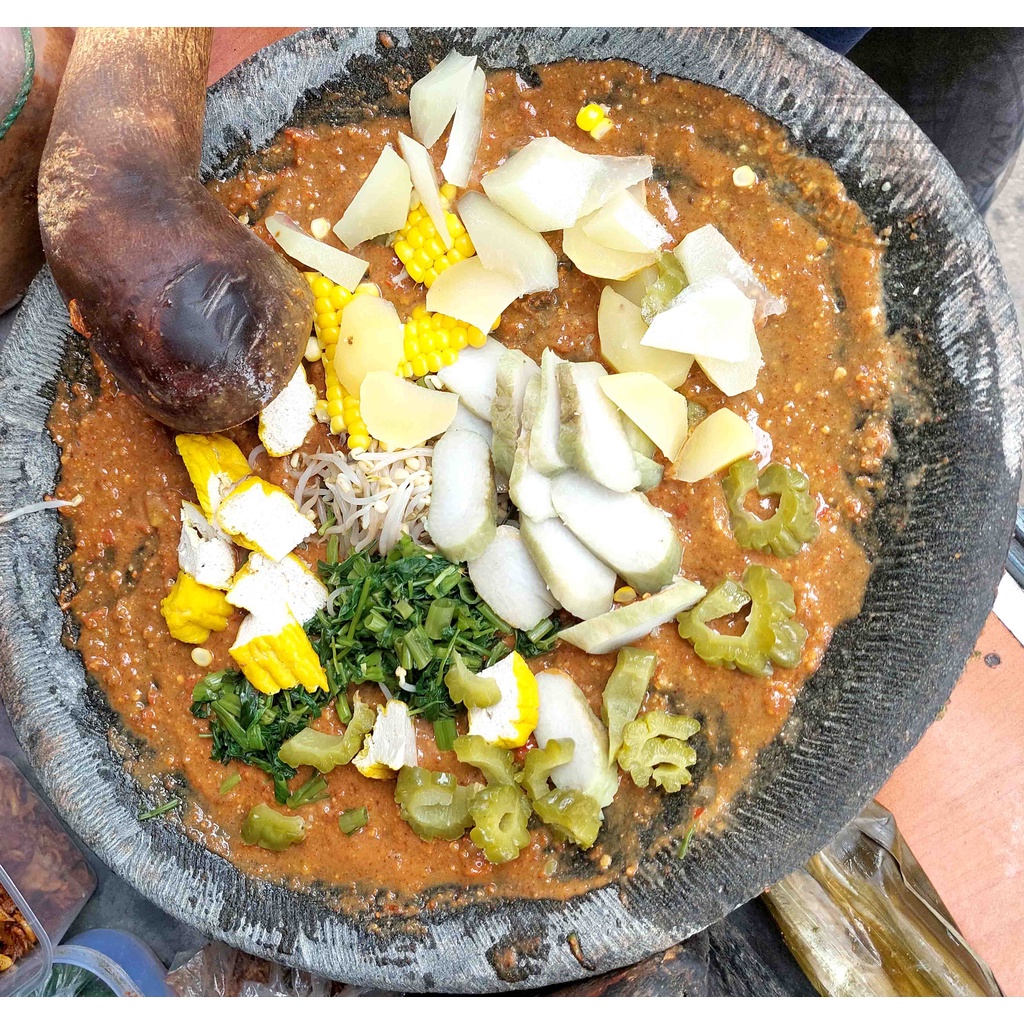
(654, 746)
(772, 635)
(250, 727)
(445, 733)
(308, 792)
(495, 763)
(272, 830)
(624, 693)
(793, 523)
(670, 282)
(324, 751)
(229, 783)
(433, 803)
(353, 819)
(570, 815)
(685, 844)
(468, 688)
(156, 812)
(500, 814)
(540, 763)
(411, 608)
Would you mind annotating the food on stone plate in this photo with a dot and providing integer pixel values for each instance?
(553, 523)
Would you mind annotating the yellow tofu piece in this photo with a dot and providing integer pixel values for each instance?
(192, 611)
(509, 722)
(215, 464)
(390, 745)
(263, 517)
(274, 653)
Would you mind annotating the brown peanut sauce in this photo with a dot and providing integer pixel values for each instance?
(821, 403)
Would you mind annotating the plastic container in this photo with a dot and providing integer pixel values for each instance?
(35, 965)
(42, 869)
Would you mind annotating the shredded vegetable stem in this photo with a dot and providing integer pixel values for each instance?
(40, 506)
(369, 498)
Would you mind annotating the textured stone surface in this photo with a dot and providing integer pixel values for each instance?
(886, 674)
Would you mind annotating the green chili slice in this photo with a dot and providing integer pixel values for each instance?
(324, 751)
(495, 763)
(793, 523)
(272, 830)
(654, 746)
(500, 814)
(229, 783)
(468, 688)
(570, 815)
(352, 820)
(624, 693)
(772, 635)
(665, 289)
(540, 763)
(433, 803)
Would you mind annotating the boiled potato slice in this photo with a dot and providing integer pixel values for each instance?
(508, 247)
(716, 442)
(341, 267)
(600, 261)
(401, 414)
(621, 329)
(470, 292)
(624, 223)
(613, 174)
(434, 97)
(712, 318)
(467, 128)
(652, 405)
(635, 288)
(382, 203)
(544, 186)
(370, 337)
(424, 180)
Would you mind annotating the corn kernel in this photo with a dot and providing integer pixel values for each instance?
(320, 227)
(339, 296)
(589, 116)
(202, 657)
(322, 414)
(322, 305)
(459, 338)
(433, 361)
(477, 338)
(334, 408)
(324, 320)
(358, 441)
(429, 276)
(415, 237)
(419, 366)
(416, 214)
(321, 286)
(464, 245)
(337, 425)
(441, 264)
(497, 323)
(312, 353)
(350, 402)
(625, 595)
(434, 247)
(455, 226)
(406, 369)
(601, 129)
(420, 313)
(448, 356)
(454, 256)
(448, 191)
(404, 250)
(330, 335)
(367, 288)
(310, 276)
(412, 348)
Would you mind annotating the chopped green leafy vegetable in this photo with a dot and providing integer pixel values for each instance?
(663, 291)
(352, 820)
(250, 726)
(229, 783)
(415, 610)
(308, 792)
(272, 830)
(156, 812)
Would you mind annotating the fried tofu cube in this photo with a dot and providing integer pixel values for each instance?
(284, 423)
(263, 517)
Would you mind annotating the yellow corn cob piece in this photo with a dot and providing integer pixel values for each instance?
(509, 722)
(275, 654)
(433, 340)
(420, 248)
(214, 463)
(193, 612)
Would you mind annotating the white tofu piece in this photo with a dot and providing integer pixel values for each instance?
(262, 583)
(204, 551)
(263, 517)
(285, 423)
(391, 744)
